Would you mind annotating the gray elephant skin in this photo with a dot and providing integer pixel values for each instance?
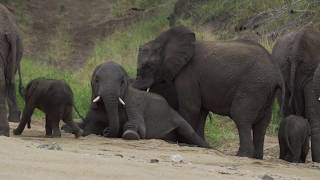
(293, 136)
(232, 78)
(297, 54)
(55, 99)
(10, 53)
(135, 114)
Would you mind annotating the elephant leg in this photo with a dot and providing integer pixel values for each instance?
(312, 109)
(305, 150)
(48, 127)
(245, 112)
(14, 112)
(67, 118)
(296, 148)
(190, 102)
(187, 132)
(26, 117)
(4, 125)
(259, 131)
(54, 119)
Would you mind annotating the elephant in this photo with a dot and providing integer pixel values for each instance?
(232, 78)
(133, 114)
(293, 136)
(55, 99)
(11, 51)
(296, 53)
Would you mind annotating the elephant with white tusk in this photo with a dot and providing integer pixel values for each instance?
(133, 114)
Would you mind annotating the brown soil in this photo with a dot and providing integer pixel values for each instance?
(95, 157)
(64, 32)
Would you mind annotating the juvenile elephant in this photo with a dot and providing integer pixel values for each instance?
(293, 136)
(55, 99)
(298, 56)
(135, 114)
(232, 78)
(10, 57)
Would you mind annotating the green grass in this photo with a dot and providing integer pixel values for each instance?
(220, 130)
(122, 47)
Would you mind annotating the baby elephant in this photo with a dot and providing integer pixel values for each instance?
(55, 99)
(135, 114)
(293, 138)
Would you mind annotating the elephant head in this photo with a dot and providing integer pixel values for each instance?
(160, 60)
(109, 86)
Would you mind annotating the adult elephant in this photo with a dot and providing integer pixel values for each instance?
(10, 55)
(298, 56)
(232, 78)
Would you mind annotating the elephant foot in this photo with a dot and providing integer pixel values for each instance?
(4, 132)
(249, 154)
(17, 132)
(14, 117)
(56, 135)
(315, 147)
(78, 133)
(130, 135)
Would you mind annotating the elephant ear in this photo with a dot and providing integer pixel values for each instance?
(177, 51)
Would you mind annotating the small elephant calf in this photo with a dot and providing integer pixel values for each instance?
(294, 134)
(55, 99)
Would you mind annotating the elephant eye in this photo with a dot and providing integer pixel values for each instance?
(96, 80)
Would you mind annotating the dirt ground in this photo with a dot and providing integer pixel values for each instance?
(32, 156)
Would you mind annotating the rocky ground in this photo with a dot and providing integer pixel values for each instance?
(32, 156)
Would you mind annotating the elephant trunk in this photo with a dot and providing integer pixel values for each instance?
(111, 102)
(315, 139)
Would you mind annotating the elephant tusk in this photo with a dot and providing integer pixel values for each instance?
(121, 101)
(148, 89)
(319, 99)
(96, 99)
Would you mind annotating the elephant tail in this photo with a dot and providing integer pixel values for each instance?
(29, 123)
(282, 86)
(21, 88)
(292, 86)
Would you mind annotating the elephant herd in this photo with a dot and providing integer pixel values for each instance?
(179, 81)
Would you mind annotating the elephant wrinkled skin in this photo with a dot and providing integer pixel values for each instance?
(55, 99)
(10, 56)
(233, 78)
(297, 54)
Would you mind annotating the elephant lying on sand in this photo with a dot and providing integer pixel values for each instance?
(232, 78)
(294, 135)
(297, 54)
(10, 57)
(135, 114)
(55, 99)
